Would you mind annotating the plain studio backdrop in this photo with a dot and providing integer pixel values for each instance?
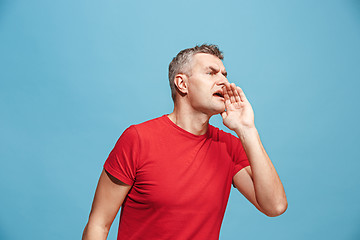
(75, 74)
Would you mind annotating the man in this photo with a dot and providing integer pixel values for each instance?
(172, 175)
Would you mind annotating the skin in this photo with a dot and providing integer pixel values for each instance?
(194, 105)
(109, 196)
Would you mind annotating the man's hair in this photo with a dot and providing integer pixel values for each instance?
(181, 63)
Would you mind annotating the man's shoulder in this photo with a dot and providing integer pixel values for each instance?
(150, 123)
(149, 126)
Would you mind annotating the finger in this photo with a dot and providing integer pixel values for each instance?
(236, 94)
(237, 97)
(228, 103)
(231, 94)
(226, 94)
(242, 94)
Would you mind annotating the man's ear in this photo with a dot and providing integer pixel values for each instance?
(181, 83)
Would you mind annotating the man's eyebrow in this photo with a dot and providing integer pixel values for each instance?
(213, 68)
(216, 69)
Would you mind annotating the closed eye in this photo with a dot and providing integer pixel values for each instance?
(212, 70)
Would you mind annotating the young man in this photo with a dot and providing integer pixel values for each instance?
(172, 175)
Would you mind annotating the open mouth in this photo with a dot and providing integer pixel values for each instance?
(219, 94)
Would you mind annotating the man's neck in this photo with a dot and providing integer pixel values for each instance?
(193, 122)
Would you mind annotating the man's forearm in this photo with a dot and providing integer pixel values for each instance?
(269, 190)
(93, 232)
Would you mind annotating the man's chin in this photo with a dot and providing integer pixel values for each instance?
(219, 110)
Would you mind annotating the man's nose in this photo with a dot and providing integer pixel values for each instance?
(222, 80)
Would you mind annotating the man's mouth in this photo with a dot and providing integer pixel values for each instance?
(219, 94)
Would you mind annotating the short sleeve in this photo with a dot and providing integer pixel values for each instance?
(240, 159)
(236, 151)
(122, 160)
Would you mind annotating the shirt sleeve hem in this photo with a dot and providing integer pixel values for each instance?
(117, 175)
(238, 167)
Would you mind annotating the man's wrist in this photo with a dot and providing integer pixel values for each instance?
(246, 132)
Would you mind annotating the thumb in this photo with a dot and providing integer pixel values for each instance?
(224, 114)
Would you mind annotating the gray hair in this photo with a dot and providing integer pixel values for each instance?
(180, 63)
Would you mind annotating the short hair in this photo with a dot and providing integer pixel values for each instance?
(180, 63)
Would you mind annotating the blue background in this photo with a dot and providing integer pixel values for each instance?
(75, 74)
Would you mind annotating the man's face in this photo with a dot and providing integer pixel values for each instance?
(205, 83)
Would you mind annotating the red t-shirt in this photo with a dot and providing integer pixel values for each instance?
(180, 181)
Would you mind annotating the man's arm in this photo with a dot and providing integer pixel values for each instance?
(109, 196)
(259, 182)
